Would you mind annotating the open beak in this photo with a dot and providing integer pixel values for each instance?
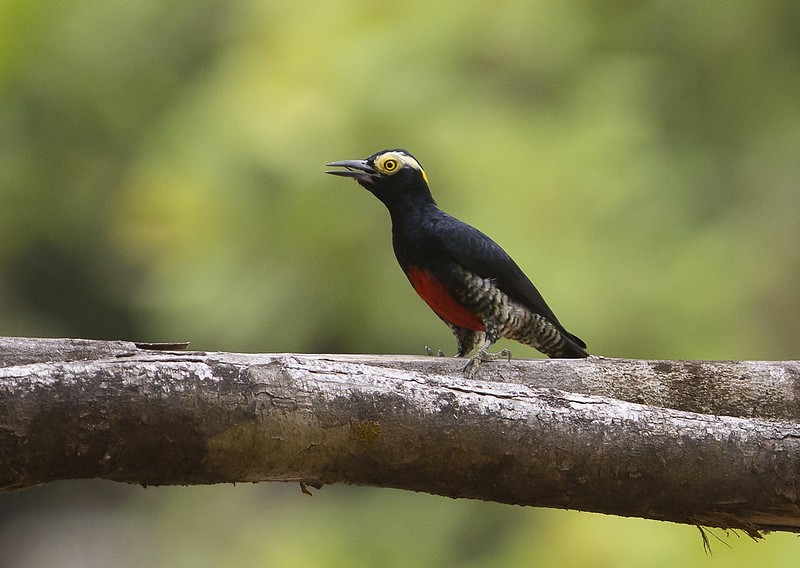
(359, 170)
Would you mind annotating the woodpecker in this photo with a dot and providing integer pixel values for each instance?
(471, 283)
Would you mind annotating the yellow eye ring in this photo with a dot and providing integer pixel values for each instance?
(390, 165)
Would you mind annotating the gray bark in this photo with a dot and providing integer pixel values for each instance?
(708, 443)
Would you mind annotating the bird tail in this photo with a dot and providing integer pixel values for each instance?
(573, 348)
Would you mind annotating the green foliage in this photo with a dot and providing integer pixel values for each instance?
(161, 179)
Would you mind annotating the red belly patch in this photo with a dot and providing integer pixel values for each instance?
(441, 301)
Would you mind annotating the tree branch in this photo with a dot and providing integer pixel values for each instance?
(709, 443)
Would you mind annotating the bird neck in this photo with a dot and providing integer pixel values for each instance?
(407, 201)
(410, 212)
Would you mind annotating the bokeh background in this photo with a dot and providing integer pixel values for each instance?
(161, 179)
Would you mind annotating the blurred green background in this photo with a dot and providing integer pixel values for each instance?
(161, 179)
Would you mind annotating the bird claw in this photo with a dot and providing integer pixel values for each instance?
(471, 368)
(429, 352)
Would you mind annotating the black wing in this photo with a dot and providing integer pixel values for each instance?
(478, 253)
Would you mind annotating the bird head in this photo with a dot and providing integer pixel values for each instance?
(392, 175)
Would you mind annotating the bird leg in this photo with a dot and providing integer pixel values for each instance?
(471, 368)
(429, 353)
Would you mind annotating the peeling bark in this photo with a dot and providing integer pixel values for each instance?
(710, 443)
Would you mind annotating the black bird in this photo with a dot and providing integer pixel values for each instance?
(463, 275)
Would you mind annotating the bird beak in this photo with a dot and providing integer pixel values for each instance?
(359, 170)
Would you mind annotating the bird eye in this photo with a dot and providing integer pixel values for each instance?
(389, 163)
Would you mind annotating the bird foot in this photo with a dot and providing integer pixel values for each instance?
(429, 353)
(471, 368)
